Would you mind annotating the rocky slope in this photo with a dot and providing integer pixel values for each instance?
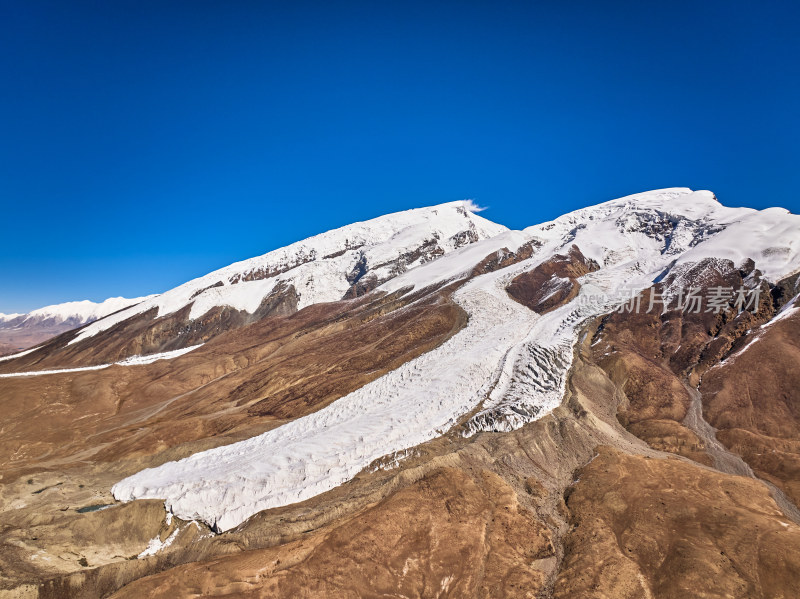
(521, 414)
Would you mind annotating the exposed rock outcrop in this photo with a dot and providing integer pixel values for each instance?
(552, 283)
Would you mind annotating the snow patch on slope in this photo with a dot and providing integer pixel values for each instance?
(132, 361)
(19, 355)
(789, 310)
(156, 544)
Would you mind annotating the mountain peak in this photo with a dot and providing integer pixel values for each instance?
(343, 262)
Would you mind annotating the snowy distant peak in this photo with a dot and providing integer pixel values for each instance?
(86, 311)
(21, 331)
(675, 200)
(71, 313)
(327, 267)
(677, 203)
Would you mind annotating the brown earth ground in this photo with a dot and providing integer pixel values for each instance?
(572, 505)
(9, 348)
(12, 342)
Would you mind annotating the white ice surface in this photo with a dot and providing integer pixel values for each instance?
(410, 405)
(132, 361)
(508, 364)
(770, 237)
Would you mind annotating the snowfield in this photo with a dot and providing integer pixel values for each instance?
(19, 355)
(132, 361)
(506, 368)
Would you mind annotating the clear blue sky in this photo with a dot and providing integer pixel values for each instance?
(146, 143)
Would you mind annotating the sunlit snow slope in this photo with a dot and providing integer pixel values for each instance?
(508, 366)
(323, 268)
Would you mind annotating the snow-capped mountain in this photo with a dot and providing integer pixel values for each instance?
(19, 331)
(506, 368)
(350, 260)
(427, 388)
(73, 314)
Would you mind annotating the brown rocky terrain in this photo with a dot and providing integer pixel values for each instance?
(658, 357)
(402, 546)
(552, 283)
(572, 505)
(10, 348)
(644, 527)
(670, 469)
(753, 400)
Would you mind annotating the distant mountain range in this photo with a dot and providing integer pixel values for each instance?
(21, 331)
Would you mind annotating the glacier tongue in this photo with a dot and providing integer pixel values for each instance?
(509, 365)
(415, 403)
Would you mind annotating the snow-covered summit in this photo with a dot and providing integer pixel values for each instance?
(324, 267)
(684, 225)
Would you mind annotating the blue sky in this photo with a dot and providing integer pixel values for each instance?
(145, 143)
